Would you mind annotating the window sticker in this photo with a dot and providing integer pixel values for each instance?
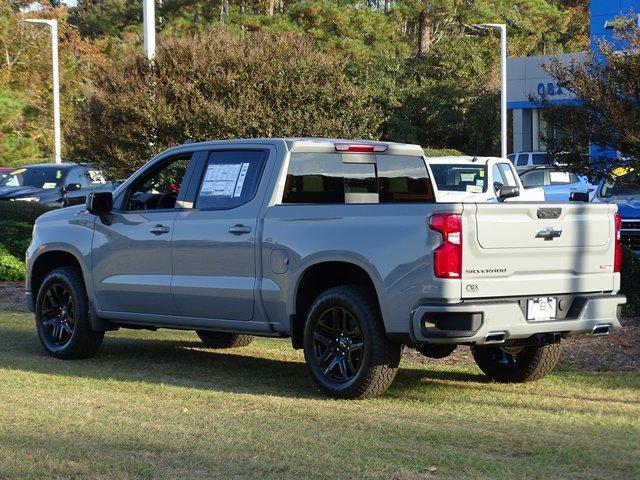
(480, 182)
(58, 174)
(223, 180)
(559, 177)
(241, 177)
(47, 185)
(474, 189)
(18, 172)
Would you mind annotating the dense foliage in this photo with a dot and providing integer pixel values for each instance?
(216, 85)
(11, 268)
(15, 237)
(608, 85)
(421, 69)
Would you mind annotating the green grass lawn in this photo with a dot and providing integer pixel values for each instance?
(156, 405)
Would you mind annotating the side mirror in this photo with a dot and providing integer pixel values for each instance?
(72, 187)
(100, 203)
(579, 197)
(507, 192)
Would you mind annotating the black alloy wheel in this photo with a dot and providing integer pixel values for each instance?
(338, 344)
(58, 315)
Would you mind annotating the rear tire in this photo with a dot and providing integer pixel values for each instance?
(62, 316)
(223, 340)
(345, 346)
(516, 365)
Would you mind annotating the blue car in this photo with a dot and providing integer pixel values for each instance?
(627, 198)
(557, 184)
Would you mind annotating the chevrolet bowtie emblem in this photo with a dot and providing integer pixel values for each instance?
(549, 234)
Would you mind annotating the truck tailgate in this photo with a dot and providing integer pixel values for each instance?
(521, 249)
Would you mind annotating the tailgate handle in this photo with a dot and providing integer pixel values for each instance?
(549, 213)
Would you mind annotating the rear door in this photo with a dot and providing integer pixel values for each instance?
(214, 243)
(534, 248)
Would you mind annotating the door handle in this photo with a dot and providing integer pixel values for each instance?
(240, 229)
(159, 230)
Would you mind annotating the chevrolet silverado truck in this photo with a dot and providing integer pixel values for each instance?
(339, 245)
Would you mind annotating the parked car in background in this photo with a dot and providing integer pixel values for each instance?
(4, 171)
(523, 160)
(627, 197)
(476, 179)
(53, 184)
(557, 184)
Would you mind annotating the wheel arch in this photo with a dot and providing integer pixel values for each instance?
(49, 260)
(319, 277)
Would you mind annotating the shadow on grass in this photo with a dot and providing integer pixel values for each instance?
(184, 363)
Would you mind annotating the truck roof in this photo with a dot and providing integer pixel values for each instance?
(315, 144)
(462, 160)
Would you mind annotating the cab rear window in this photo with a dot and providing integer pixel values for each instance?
(334, 178)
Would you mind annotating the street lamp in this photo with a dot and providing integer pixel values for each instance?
(149, 28)
(53, 24)
(503, 87)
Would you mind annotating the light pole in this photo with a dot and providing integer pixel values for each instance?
(53, 24)
(503, 82)
(149, 27)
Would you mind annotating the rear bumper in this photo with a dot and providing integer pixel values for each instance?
(482, 322)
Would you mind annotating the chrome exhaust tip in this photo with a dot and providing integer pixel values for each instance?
(495, 337)
(600, 330)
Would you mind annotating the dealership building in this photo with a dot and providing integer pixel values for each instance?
(526, 77)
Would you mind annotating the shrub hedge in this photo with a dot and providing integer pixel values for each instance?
(21, 211)
(11, 268)
(15, 237)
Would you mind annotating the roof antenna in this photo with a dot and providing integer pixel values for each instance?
(474, 159)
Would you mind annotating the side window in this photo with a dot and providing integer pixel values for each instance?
(77, 175)
(498, 180)
(230, 178)
(540, 159)
(523, 159)
(158, 188)
(507, 175)
(512, 158)
(403, 178)
(534, 178)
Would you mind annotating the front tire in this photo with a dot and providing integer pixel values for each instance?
(345, 345)
(516, 364)
(223, 340)
(62, 316)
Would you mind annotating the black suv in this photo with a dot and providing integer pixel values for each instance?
(53, 184)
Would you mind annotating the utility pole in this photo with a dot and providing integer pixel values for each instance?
(53, 24)
(149, 27)
(503, 82)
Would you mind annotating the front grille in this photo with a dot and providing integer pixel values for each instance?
(631, 239)
(630, 224)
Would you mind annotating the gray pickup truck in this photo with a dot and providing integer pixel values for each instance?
(338, 245)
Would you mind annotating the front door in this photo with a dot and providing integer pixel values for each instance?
(214, 243)
(132, 247)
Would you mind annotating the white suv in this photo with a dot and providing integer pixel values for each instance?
(530, 159)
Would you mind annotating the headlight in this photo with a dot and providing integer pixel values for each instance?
(28, 199)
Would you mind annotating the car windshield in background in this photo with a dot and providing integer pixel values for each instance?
(38, 177)
(460, 178)
(618, 188)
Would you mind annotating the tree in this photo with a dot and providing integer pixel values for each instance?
(217, 85)
(15, 148)
(607, 83)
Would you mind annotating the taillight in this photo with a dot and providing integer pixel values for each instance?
(447, 258)
(617, 259)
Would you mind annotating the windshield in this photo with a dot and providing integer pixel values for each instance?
(460, 178)
(615, 188)
(39, 177)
